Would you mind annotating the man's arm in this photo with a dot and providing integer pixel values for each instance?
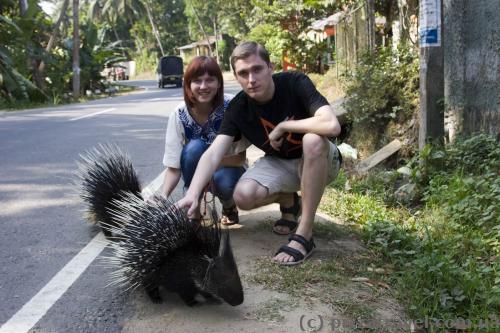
(324, 122)
(208, 163)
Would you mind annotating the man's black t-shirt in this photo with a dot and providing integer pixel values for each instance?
(295, 98)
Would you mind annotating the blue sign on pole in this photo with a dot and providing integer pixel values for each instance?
(429, 36)
(430, 23)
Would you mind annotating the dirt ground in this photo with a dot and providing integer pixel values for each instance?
(353, 305)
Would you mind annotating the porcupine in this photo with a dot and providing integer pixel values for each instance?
(104, 174)
(156, 245)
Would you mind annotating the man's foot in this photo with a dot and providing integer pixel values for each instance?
(289, 220)
(298, 250)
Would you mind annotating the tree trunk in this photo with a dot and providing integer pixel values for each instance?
(217, 56)
(55, 31)
(31, 62)
(202, 30)
(23, 6)
(370, 9)
(76, 51)
(118, 38)
(408, 11)
(153, 27)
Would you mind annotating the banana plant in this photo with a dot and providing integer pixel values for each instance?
(14, 85)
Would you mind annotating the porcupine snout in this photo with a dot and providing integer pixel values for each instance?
(224, 280)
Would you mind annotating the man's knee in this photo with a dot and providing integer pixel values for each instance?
(247, 193)
(314, 146)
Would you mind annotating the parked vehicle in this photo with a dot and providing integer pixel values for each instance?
(170, 71)
(120, 72)
(115, 72)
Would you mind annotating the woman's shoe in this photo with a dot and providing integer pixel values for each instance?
(230, 216)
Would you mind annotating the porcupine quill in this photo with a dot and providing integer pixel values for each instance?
(155, 245)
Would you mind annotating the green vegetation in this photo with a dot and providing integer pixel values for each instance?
(445, 244)
(383, 98)
(272, 310)
(384, 86)
(113, 90)
(36, 49)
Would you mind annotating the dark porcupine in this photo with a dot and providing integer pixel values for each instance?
(104, 174)
(155, 243)
(159, 246)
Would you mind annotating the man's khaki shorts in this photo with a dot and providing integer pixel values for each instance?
(282, 175)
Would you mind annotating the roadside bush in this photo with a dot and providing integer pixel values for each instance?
(446, 254)
(382, 98)
(384, 86)
(464, 178)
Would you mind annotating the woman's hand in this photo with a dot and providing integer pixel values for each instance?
(190, 203)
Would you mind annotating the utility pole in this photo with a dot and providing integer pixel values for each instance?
(370, 10)
(76, 51)
(431, 72)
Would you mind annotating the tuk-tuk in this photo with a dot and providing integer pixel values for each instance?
(170, 71)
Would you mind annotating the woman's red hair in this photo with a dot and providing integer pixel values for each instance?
(196, 68)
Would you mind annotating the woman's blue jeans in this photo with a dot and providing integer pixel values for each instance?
(224, 179)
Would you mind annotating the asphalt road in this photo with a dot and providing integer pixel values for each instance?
(42, 227)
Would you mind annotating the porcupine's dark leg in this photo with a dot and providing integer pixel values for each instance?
(187, 292)
(209, 297)
(154, 294)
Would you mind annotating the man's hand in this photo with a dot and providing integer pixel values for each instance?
(190, 203)
(276, 137)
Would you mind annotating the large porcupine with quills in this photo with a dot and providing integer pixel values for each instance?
(104, 174)
(155, 244)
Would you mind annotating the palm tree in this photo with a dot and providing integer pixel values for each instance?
(76, 51)
(17, 52)
(55, 31)
(111, 10)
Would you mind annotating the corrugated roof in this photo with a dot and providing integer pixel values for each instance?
(202, 42)
(329, 21)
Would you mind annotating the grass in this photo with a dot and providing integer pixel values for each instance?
(439, 252)
(272, 310)
(304, 280)
(57, 100)
(444, 245)
(329, 277)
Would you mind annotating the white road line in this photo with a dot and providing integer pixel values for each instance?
(37, 307)
(92, 114)
(153, 186)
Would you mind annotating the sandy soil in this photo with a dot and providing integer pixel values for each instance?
(265, 310)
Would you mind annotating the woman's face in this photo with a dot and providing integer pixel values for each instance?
(204, 88)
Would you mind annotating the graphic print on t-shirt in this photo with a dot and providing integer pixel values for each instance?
(288, 145)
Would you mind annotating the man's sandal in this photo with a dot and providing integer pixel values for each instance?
(295, 210)
(230, 216)
(298, 257)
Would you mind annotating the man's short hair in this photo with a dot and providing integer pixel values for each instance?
(246, 49)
